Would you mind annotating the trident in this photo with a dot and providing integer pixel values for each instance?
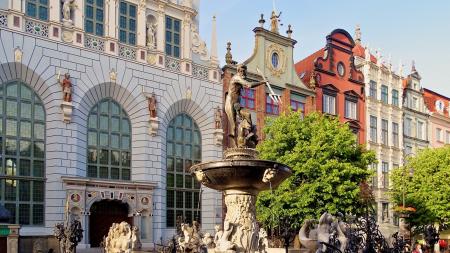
(275, 98)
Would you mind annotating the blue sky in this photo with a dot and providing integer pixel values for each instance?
(408, 30)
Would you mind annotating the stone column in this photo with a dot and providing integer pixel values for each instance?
(240, 221)
(13, 239)
(160, 33)
(141, 24)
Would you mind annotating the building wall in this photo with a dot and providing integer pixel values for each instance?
(387, 152)
(415, 110)
(98, 74)
(439, 128)
(322, 67)
(283, 79)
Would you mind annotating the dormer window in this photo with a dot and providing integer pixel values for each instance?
(440, 106)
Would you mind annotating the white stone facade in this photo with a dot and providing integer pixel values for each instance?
(127, 74)
(389, 152)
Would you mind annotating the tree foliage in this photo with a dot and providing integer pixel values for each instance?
(424, 181)
(327, 166)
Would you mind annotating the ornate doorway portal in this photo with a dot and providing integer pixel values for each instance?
(103, 214)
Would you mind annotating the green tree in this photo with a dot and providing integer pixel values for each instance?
(327, 164)
(424, 183)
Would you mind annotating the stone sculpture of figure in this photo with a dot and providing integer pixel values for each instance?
(120, 238)
(218, 118)
(269, 174)
(66, 8)
(263, 242)
(208, 241)
(68, 236)
(218, 234)
(190, 240)
(367, 54)
(66, 85)
(151, 37)
(198, 45)
(152, 105)
(135, 238)
(274, 22)
(232, 105)
(224, 244)
(323, 230)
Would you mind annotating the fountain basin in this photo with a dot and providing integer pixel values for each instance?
(241, 174)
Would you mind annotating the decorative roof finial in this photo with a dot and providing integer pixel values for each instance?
(289, 31)
(214, 56)
(228, 55)
(358, 35)
(400, 68)
(413, 66)
(262, 20)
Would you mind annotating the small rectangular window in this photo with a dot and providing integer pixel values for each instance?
(384, 131)
(384, 94)
(395, 97)
(373, 89)
(395, 136)
(94, 20)
(248, 98)
(298, 103)
(439, 134)
(271, 106)
(385, 174)
(329, 104)
(173, 37)
(37, 9)
(373, 128)
(127, 23)
(350, 109)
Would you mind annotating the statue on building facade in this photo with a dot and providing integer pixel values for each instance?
(67, 9)
(274, 19)
(151, 35)
(233, 108)
(198, 45)
(218, 118)
(66, 85)
(152, 105)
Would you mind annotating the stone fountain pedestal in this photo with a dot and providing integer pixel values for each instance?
(241, 176)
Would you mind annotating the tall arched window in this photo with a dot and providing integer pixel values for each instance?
(22, 151)
(109, 142)
(183, 150)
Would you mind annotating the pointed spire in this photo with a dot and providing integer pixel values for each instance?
(214, 58)
(289, 31)
(400, 68)
(413, 66)
(358, 35)
(228, 55)
(367, 53)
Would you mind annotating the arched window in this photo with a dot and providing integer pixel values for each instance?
(109, 142)
(22, 151)
(183, 150)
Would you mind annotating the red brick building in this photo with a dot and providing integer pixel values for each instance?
(273, 56)
(339, 86)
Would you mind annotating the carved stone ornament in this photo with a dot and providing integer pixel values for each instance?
(18, 54)
(280, 67)
(122, 237)
(154, 125)
(67, 36)
(113, 75)
(218, 137)
(198, 45)
(67, 109)
(151, 35)
(67, 7)
(151, 59)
